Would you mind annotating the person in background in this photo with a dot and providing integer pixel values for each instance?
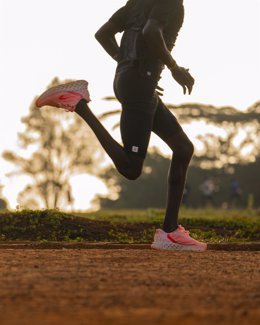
(208, 190)
(235, 194)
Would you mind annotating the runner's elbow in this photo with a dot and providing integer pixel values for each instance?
(107, 31)
(99, 35)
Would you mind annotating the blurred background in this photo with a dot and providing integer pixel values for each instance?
(50, 158)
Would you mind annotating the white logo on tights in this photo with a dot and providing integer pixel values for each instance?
(135, 149)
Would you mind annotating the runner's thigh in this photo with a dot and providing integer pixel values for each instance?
(139, 103)
(165, 124)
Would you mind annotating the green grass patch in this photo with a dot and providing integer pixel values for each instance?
(127, 226)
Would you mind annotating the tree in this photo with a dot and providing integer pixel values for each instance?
(231, 137)
(230, 150)
(3, 202)
(148, 191)
(60, 145)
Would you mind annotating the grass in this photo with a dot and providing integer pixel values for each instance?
(127, 226)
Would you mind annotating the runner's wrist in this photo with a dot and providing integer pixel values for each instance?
(173, 66)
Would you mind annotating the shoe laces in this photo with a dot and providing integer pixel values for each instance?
(181, 228)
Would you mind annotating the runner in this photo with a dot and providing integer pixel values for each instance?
(150, 29)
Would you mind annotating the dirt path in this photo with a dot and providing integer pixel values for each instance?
(123, 287)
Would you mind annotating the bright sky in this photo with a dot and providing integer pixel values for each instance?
(220, 43)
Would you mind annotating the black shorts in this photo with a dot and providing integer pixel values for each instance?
(143, 111)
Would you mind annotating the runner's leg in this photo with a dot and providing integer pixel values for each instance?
(168, 129)
(138, 107)
(127, 164)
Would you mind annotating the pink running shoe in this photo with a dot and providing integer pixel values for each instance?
(178, 240)
(65, 96)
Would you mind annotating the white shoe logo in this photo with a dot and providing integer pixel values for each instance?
(135, 149)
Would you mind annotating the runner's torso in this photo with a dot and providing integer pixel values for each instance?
(132, 18)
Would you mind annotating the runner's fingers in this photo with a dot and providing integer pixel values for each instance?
(159, 88)
(189, 78)
(187, 86)
(159, 93)
(190, 89)
(189, 82)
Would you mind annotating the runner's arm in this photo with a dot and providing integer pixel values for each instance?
(106, 37)
(116, 24)
(153, 35)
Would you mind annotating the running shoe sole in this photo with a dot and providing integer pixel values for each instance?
(177, 247)
(65, 95)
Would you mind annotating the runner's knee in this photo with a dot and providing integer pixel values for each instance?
(185, 150)
(133, 169)
(132, 174)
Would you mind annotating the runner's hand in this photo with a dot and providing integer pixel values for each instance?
(184, 78)
(159, 90)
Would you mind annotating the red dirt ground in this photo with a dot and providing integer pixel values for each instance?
(123, 287)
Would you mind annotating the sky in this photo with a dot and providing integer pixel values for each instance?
(42, 39)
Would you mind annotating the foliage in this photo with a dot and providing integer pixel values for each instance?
(60, 145)
(229, 142)
(141, 193)
(3, 202)
(150, 189)
(126, 226)
(217, 115)
(232, 136)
